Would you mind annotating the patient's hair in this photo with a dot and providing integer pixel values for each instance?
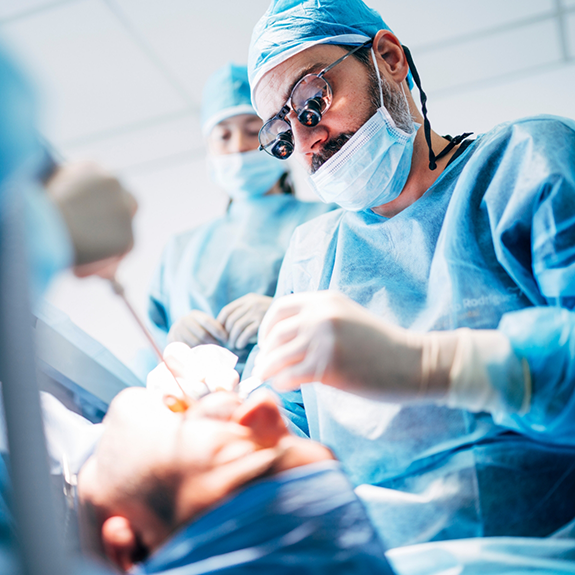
(157, 493)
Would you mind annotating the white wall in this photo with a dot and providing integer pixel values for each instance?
(121, 81)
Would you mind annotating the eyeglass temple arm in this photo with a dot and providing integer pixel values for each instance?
(326, 70)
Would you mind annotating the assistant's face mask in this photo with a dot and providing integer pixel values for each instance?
(371, 168)
(246, 174)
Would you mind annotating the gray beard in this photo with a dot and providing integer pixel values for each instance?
(395, 104)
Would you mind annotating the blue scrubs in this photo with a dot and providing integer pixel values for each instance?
(491, 245)
(208, 267)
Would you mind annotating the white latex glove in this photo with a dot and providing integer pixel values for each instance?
(197, 328)
(325, 337)
(205, 368)
(97, 210)
(242, 318)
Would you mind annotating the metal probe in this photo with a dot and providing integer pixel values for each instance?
(119, 290)
(176, 405)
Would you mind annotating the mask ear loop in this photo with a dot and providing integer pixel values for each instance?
(423, 97)
(426, 123)
(378, 78)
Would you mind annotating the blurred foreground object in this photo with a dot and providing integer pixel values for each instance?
(97, 210)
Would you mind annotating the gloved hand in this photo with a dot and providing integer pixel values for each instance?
(242, 318)
(97, 210)
(198, 328)
(325, 337)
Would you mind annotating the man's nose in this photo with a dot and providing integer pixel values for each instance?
(308, 140)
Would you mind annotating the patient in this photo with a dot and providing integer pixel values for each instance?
(222, 486)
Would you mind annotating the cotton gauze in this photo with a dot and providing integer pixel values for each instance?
(199, 370)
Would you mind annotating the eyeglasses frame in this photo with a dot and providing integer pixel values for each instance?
(288, 106)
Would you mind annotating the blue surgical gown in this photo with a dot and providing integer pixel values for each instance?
(306, 520)
(490, 245)
(210, 266)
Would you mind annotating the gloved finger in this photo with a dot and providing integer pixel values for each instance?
(281, 309)
(247, 334)
(191, 333)
(228, 309)
(306, 371)
(269, 364)
(184, 336)
(213, 327)
(177, 335)
(291, 379)
(238, 328)
(235, 316)
(282, 332)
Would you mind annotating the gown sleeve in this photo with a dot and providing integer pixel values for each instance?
(534, 237)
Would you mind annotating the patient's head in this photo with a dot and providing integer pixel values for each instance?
(155, 470)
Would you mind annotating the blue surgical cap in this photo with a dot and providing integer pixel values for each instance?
(226, 94)
(291, 26)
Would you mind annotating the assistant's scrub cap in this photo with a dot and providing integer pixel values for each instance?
(291, 26)
(226, 94)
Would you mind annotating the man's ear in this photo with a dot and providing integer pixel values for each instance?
(261, 414)
(387, 47)
(121, 543)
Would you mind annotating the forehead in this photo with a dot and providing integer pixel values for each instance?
(276, 85)
(135, 408)
(239, 121)
(140, 430)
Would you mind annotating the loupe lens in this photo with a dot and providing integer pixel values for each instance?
(283, 147)
(310, 98)
(276, 138)
(311, 112)
(271, 130)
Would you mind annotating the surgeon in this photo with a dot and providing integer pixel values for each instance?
(215, 282)
(445, 344)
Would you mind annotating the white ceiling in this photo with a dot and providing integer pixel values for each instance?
(121, 82)
(122, 79)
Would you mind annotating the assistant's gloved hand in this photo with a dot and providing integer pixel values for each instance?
(198, 328)
(97, 210)
(326, 337)
(242, 318)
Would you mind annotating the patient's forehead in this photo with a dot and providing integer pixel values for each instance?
(135, 404)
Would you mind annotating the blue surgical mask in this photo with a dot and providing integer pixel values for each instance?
(245, 175)
(372, 168)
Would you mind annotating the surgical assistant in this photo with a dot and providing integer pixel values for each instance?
(215, 282)
(488, 246)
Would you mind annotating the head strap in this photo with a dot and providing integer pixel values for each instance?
(426, 123)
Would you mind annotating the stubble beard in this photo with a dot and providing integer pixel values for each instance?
(396, 105)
